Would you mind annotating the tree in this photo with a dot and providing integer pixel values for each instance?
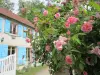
(6, 4)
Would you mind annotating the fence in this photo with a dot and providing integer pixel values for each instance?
(8, 65)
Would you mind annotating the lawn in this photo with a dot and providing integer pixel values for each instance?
(30, 71)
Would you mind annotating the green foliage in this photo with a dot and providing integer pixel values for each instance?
(95, 5)
(79, 43)
(6, 4)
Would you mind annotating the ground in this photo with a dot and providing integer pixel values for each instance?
(43, 72)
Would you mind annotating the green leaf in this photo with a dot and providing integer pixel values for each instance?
(95, 5)
(75, 51)
(81, 66)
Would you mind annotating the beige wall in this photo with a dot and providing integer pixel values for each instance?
(18, 41)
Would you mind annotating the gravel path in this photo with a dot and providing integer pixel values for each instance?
(43, 72)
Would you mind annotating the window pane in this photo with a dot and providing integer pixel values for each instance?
(13, 51)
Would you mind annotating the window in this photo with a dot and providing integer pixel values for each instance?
(28, 54)
(11, 50)
(13, 28)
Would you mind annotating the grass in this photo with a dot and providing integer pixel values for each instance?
(30, 71)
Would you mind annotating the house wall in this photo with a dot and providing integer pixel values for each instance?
(17, 40)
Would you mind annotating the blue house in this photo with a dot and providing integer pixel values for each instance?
(13, 36)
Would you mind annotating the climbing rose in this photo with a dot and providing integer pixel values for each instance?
(68, 32)
(57, 15)
(68, 59)
(63, 40)
(58, 45)
(47, 47)
(76, 11)
(67, 25)
(85, 73)
(95, 50)
(86, 27)
(45, 12)
(89, 61)
(28, 40)
(98, 43)
(35, 19)
(60, 42)
(72, 20)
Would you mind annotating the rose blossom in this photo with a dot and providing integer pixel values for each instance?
(95, 50)
(57, 15)
(98, 43)
(87, 27)
(67, 25)
(68, 32)
(35, 19)
(68, 59)
(85, 73)
(47, 47)
(72, 20)
(89, 61)
(58, 45)
(76, 11)
(60, 42)
(63, 40)
(45, 12)
(28, 40)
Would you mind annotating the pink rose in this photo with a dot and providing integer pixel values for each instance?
(76, 11)
(67, 25)
(63, 40)
(68, 32)
(45, 12)
(28, 40)
(68, 59)
(47, 47)
(72, 20)
(60, 42)
(35, 19)
(58, 45)
(85, 73)
(98, 43)
(57, 15)
(95, 50)
(89, 61)
(86, 27)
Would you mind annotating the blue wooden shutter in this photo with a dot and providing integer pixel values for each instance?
(25, 32)
(7, 26)
(21, 53)
(3, 51)
(1, 24)
(20, 30)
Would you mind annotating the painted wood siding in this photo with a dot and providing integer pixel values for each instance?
(21, 53)
(24, 33)
(7, 26)
(20, 30)
(3, 51)
(0, 24)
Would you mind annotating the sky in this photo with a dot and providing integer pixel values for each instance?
(16, 4)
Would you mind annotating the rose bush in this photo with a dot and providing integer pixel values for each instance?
(68, 37)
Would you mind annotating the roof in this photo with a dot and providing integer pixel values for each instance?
(13, 16)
